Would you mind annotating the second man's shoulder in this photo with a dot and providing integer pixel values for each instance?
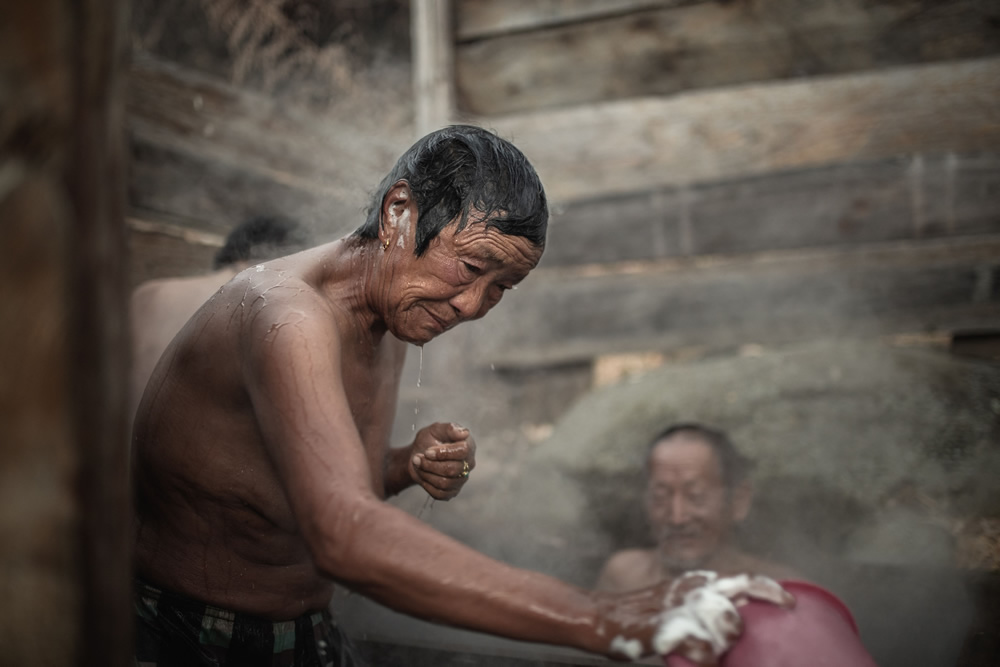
(629, 569)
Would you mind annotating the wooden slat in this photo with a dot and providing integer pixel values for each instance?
(920, 197)
(145, 225)
(710, 44)
(561, 316)
(167, 249)
(622, 147)
(433, 64)
(182, 111)
(477, 19)
(210, 196)
(170, 107)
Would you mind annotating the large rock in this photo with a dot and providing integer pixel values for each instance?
(838, 431)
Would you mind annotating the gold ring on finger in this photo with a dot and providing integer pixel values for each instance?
(465, 468)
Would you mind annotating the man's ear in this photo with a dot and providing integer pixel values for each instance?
(742, 497)
(397, 205)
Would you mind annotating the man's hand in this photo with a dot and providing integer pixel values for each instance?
(702, 622)
(443, 456)
(694, 616)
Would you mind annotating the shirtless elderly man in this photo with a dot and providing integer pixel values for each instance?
(697, 490)
(262, 455)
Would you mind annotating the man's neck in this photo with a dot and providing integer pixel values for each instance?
(347, 275)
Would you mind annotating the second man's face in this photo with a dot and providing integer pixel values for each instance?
(688, 506)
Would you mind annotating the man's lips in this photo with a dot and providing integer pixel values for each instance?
(442, 323)
(682, 538)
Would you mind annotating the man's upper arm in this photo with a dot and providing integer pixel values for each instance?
(294, 377)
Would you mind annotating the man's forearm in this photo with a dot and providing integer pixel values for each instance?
(385, 554)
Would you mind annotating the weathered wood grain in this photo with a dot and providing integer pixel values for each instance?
(181, 110)
(158, 249)
(213, 197)
(433, 64)
(666, 50)
(563, 316)
(852, 204)
(65, 519)
(633, 146)
(476, 19)
(173, 109)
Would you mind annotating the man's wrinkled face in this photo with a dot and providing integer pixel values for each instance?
(460, 277)
(688, 506)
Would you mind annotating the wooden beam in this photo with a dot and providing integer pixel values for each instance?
(867, 202)
(433, 64)
(65, 519)
(157, 255)
(622, 147)
(166, 247)
(145, 225)
(671, 49)
(478, 19)
(567, 315)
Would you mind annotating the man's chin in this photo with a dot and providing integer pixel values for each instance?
(417, 338)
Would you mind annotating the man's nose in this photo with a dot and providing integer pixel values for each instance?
(679, 511)
(470, 303)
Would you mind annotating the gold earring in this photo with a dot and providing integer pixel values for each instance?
(385, 246)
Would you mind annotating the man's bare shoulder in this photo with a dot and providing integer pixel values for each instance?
(175, 295)
(631, 557)
(628, 569)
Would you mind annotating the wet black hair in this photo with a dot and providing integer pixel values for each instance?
(261, 238)
(460, 168)
(735, 466)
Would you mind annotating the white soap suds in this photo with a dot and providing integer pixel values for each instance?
(706, 617)
(630, 648)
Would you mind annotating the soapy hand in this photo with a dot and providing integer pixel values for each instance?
(702, 622)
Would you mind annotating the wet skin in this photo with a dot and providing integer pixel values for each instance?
(261, 452)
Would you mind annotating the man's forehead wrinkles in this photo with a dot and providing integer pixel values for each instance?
(493, 246)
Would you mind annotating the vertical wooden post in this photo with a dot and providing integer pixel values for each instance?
(64, 503)
(433, 63)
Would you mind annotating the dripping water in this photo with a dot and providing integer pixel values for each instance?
(416, 401)
(429, 501)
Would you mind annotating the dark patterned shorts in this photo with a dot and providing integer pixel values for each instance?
(176, 631)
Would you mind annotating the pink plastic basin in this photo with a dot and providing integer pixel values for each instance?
(818, 632)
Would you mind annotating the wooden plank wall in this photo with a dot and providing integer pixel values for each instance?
(743, 172)
(849, 204)
(205, 156)
(719, 304)
(714, 135)
(562, 54)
